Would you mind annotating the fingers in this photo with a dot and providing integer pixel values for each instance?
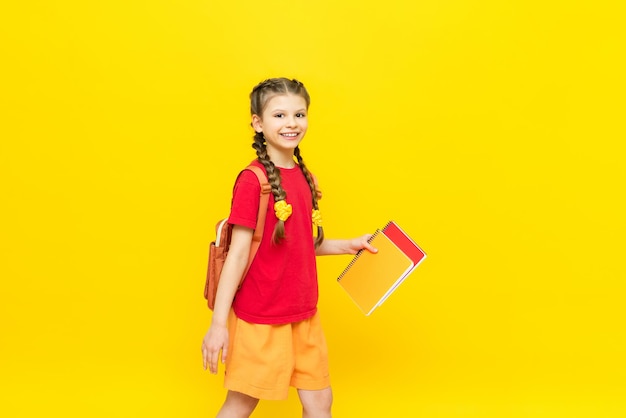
(213, 361)
(209, 359)
(205, 357)
(371, 248)
(224, 352)
(366, 243)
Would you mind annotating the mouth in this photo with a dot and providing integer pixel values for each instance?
(290, 135)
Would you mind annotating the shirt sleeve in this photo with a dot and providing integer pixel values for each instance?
(245, 203)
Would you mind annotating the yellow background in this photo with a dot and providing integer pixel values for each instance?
(492, 131)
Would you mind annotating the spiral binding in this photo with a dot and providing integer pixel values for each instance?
(356, 257)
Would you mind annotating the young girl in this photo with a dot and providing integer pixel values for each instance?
(268, 331)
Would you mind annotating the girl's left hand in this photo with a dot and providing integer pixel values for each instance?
(361, 243)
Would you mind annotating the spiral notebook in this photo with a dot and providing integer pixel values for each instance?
(369, 279)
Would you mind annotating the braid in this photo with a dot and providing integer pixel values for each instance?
(273, 176)
(314, 194)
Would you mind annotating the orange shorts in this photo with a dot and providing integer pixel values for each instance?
(264, 360)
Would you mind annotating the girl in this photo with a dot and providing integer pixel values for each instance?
(268, 331)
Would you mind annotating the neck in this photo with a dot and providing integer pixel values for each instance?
(281, 159)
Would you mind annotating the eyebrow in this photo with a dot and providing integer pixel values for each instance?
(281, 110)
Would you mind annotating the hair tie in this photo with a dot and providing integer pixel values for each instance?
(283, 210)
(317, 217)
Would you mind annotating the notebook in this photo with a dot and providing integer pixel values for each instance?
(369, 279)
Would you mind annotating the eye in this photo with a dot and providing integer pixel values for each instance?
(300, 115)
(279, 115)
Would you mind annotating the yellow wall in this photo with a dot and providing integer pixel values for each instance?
(492, 131)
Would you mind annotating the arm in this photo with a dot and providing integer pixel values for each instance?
(216, 338)
(345, 246)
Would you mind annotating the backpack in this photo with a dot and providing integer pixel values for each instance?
(223, 231)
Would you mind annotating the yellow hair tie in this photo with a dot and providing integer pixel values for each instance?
(283, 210)
(317, 217)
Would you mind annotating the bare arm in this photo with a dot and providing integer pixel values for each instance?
(345, 246)
(216, 338)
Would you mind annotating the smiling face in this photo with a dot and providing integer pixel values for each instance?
(283, 123)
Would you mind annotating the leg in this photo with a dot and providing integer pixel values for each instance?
(237, 405)
(316, 403)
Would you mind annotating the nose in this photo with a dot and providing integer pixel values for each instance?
(292, 121)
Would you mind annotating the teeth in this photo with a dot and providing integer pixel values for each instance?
(290, 135)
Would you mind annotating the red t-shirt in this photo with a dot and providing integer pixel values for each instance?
(281, 285)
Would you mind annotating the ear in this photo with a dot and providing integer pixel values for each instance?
(257, 124)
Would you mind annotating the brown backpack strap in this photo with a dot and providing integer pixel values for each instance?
(260, 219)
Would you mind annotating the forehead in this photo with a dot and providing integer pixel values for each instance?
(285, 102)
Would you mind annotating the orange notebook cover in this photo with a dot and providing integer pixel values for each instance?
(370, 278)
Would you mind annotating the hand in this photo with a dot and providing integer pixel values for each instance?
(360, 243)
(215, 340)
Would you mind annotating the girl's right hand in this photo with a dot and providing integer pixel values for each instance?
(215, 340)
